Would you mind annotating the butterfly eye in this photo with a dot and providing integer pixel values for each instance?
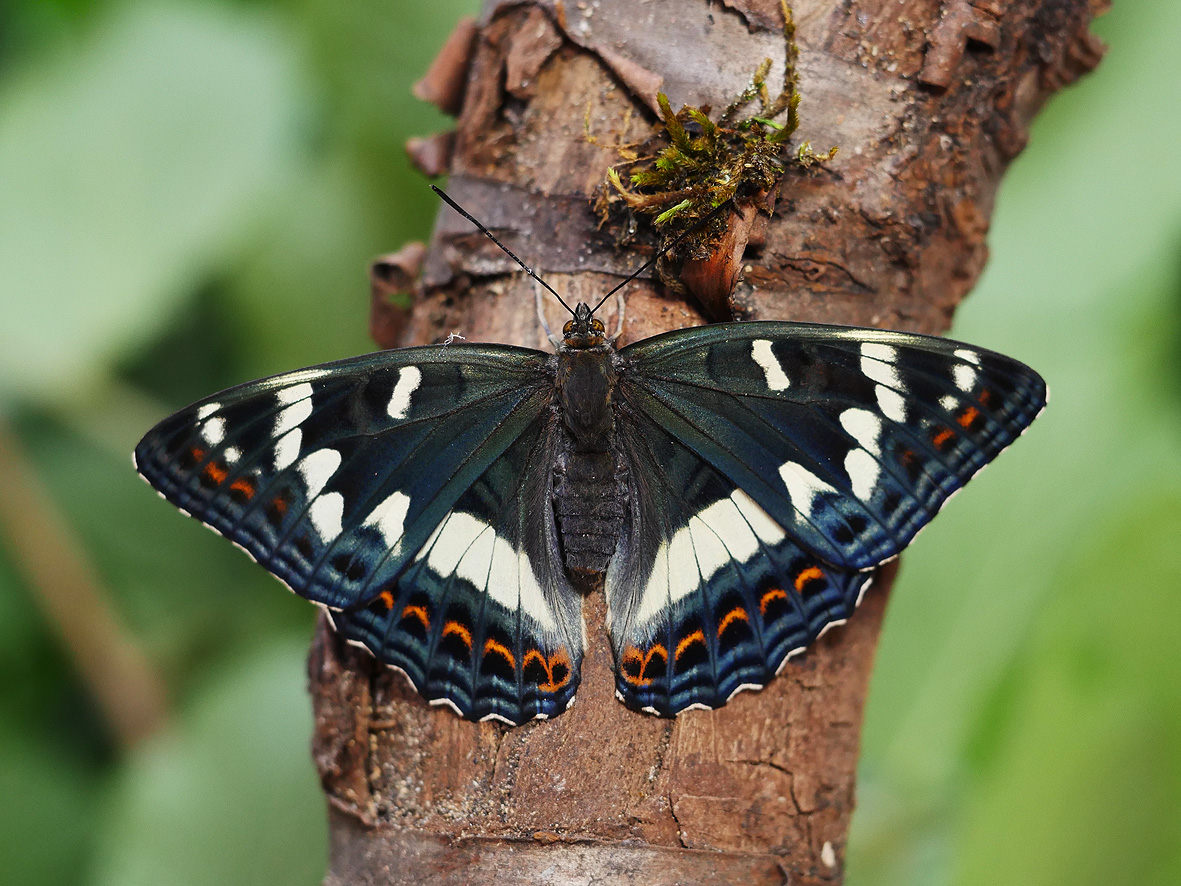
(597, 327)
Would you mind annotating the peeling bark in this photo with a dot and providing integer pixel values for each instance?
(928, 104)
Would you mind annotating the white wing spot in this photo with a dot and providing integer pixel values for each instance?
(879, 351)
(964, 377)
(213, 430)
(949, 403)
(802, 486)
(891, 404)
(471, 549)
(864, 427)
(326, 514)
(317, 469)
(287, 449)
(409, 378)
(767, 530)
(232, 454)
(877, 364)
(389, 517)
(299, 406)
(968, 356)
(761, 353)
(863, 470)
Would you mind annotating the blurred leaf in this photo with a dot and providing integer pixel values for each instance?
(302, 296)
(1084, 787)
(230, 797)
(130, 165)
(45, 819)
(183, 616)
(1083, 262)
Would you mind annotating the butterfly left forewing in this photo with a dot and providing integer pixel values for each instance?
(851, 439)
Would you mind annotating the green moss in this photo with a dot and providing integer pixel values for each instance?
(697, 164)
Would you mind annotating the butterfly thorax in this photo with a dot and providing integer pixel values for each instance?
(590, 483)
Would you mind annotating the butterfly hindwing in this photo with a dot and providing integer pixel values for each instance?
(335, 478)
(852, 439)
(708, 595)
(484, 617)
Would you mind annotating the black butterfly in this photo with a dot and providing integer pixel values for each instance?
(734, 484)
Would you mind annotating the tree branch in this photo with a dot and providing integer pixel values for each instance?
(928, 105)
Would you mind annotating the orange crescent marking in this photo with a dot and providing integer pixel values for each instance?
(986, 397)
(418, 612)
(810, 574)
(735, 614)
(216, 472)
(547, 665)
(454, 627)
(768, 596)
(632, 653)
(243, 485)
(969, 415)
(491, 645)
(696, 637)
(941, 439)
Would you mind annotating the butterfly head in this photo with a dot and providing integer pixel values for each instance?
(583, 331)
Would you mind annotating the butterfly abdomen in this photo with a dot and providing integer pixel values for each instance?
(590, 489)
(590, 495)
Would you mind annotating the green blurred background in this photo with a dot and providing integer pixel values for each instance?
(189, 196)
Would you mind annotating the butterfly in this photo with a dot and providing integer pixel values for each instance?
(732, 487)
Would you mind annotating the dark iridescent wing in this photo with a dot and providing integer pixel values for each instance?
(484, 617)
(851, 439)
(772, 466)
(708, 595)
(349, 482)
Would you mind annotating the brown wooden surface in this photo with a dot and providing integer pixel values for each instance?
(928, 103)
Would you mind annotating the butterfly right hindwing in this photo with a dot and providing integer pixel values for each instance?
(484, 616)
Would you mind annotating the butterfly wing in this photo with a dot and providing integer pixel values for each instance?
(793, 458)
(851, 439)
(707, 595)
(355, 483)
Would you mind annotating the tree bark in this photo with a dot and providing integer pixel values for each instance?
(928, 103)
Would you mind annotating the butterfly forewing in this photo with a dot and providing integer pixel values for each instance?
(850, 439)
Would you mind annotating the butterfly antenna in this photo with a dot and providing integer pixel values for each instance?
(487, 233)
(650, 262)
